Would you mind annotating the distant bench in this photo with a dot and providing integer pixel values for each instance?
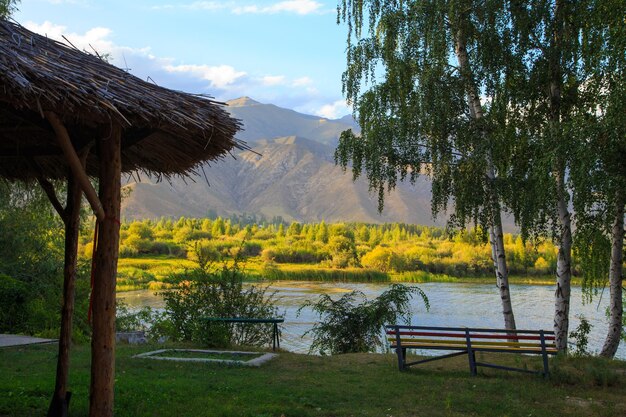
(462, 340)
(274, 321)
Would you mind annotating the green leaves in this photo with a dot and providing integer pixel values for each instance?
(353, 323)
(410, 98)
(219, 293)
(7, 7)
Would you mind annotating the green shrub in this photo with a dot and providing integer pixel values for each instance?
(203, 252)
(342, 250)
(166, 248)
(124, 251)
(152, 322)
(14, 296)
(250, 249)
(264, 234)
(293, 255)
(581, 336)
(383, 259)
(219, 293)
(139, 244)
(353, 323)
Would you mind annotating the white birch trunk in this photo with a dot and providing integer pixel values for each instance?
(564, 257)
(495, 230)
(563, 271)
(502, 276)
(615, 280)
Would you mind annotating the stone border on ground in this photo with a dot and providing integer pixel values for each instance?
(253, 362)
(8, 340)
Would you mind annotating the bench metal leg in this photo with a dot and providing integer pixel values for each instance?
(544, 354)
(401, 353)
(472, 361)
(275, 338)
(471, 355)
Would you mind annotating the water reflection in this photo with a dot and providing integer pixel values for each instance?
(452, 304)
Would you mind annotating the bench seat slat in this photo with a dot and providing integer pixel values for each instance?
(473, 335)
(477, 347)
(406, 341)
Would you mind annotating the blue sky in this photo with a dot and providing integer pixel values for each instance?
(289, 53)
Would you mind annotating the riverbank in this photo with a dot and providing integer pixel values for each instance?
(451, 304)
(156, 273)
(304, 385)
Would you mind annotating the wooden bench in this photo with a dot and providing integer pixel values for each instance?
(463, 340)
(273, 321)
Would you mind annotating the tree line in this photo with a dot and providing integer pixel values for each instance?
(393, 247)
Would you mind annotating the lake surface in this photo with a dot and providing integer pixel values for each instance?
(451, 304)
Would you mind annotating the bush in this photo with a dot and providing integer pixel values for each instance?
(581, 336)
(146, 319)
(292, 254)
(219, 294)
(13, 299)
(139, 244)
(167, 248)
(343, 251)
(203, 252)
(124, 251)
(251, 249)
(353, 323)
(383, 259)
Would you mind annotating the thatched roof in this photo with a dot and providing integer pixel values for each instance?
(165, 132)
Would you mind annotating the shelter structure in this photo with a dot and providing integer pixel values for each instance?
(66, 114)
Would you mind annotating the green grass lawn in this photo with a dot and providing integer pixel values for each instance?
(302, 385)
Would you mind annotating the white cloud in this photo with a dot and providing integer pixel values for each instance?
(270, 80)
(302, 82)
(81, 2)
(207, 5)
(94, 40)
(301, 7)
(334, 110)
(197, 5)
(220, 76)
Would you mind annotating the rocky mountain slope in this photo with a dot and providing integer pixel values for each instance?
(289, 172)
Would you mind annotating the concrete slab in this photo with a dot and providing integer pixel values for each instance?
(252, 362)
(7, 340)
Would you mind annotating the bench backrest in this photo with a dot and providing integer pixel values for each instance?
(460, 338)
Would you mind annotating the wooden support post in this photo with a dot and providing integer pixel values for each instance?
(63, 138)
(105, 270)
(71, 218)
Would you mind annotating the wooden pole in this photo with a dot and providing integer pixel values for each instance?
(63, 138)
(105, 271)
(71, 218)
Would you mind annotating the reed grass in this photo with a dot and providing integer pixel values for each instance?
(161, 272)
(325, 275)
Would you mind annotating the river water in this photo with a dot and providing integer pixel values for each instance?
(451, 304)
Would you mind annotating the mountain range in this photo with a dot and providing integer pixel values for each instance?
(289, 171)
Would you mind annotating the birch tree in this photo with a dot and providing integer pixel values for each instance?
(548, 37)
(599, 177)
(418, 75)
(572, 100)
